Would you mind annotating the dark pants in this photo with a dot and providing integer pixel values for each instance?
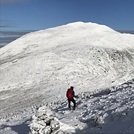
(69, 102)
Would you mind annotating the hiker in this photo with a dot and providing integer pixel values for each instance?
(70, 96)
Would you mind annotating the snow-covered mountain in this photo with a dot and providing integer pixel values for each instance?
(37, 68)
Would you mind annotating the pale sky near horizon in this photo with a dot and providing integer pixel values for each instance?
(21, 15)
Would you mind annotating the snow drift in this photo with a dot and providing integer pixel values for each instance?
(37, 68)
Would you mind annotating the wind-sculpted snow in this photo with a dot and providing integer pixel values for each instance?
(38, 67)
(107, 111)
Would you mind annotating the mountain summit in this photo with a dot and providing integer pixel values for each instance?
(40, 66)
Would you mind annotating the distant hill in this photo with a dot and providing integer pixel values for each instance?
(7, 37)
(126, 31)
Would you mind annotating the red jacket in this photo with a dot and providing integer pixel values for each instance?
(70, 93)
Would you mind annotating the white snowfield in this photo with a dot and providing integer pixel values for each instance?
(37, 69)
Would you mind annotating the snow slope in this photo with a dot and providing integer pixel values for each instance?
(37, 68)
(107, 111)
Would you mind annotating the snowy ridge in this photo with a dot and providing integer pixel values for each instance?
(108, 111)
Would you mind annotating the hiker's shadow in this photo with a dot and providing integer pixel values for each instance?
(61, 109)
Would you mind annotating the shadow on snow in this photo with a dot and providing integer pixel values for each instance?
(19, 129)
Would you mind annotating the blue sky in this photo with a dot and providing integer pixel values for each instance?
(21, 15)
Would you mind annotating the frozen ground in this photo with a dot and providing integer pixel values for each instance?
(110, 110)
(37, 69)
